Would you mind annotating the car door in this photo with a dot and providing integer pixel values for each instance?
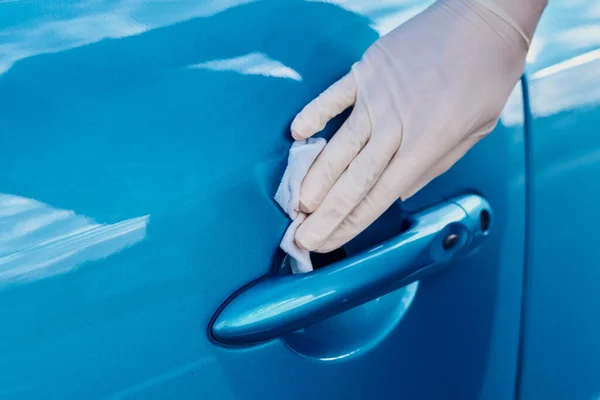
(561, 352)
(141, 145)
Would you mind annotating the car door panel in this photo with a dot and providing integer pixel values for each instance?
(161, 130)
(561, 351)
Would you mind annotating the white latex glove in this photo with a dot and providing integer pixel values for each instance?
(423, 95)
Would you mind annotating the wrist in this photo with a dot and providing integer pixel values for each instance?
(522, 15)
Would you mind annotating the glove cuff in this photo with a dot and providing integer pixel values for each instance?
(492, 7)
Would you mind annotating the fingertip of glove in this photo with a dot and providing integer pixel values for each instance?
(296, 135)
(305, 208)
(306, 237)
(298, 128)
(300, 245)
(300, 240)
(306, 123)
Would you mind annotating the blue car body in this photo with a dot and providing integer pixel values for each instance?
(141, 143)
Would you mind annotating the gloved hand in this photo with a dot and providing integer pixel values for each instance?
(423, 95)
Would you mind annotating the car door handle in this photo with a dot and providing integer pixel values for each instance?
(281, 304)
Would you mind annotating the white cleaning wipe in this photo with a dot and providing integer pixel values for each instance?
(300, 158)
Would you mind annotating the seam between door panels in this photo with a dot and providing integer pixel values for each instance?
(528, 215)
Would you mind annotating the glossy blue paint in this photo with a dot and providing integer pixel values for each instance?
(178, 112)
(283, 304)
(561, 346)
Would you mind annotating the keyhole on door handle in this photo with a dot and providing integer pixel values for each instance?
(485, 220)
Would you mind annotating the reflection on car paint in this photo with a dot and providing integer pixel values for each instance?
(97, 20)
(252, 64)
(567, 85)
(38, 240)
